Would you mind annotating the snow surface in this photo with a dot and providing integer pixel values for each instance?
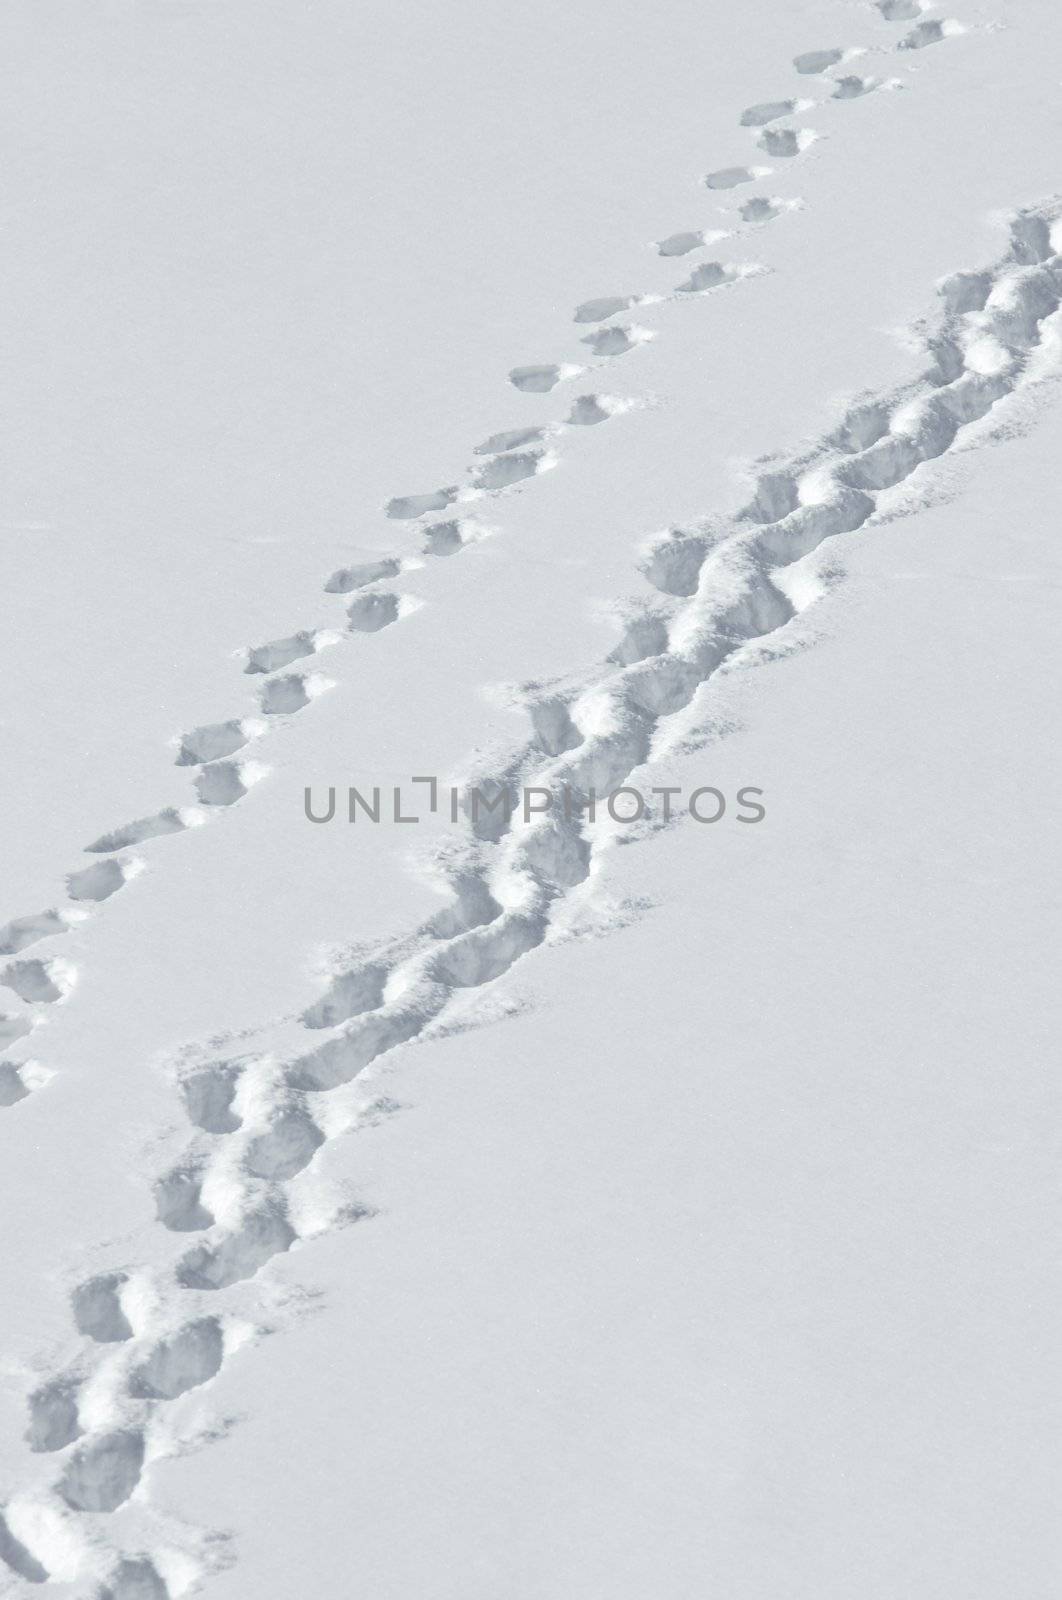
(589, 398)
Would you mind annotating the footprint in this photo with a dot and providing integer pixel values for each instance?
(208, 1095)
(102, 1473)
(786, 142)
(348, 995)
(172, 820)
(12, 1088)
(1030, 241)
(540, 380)
(240, 1255)
(445, 538)
(53, 1417)
(709, 275)
(590, 409)
(281, 652)
(900, 10)
(177, 1202)
(511, 439)
(815, 61)
(764, 208)
(359, 577)
(607, 306)
(965, 291)
(680, 244)
(501, 472)
(616, 341)
(97, 1309)
(930, 33)
(730, 177)
(281, 696)
(190, 1357)
(134, 1578)
(771, 110)
(405, 507)
(227, 781)
(37, 981)
(371, 612)
(853, 87)
(288, 1146)
(214, 740)
(24, 931)
(102, 879)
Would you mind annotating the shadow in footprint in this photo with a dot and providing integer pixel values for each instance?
(182, 1361)
(371, 612)
(731, 177)
(405, 507)
(97, 1309)
(362, 574)
(178, 1204)
(815, 61)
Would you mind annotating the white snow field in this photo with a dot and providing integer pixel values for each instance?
(567, 399)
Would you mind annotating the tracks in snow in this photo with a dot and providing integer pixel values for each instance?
(447, 524)
(723, 588)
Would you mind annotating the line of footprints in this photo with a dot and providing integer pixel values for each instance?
(507, 459)
(258, 1121)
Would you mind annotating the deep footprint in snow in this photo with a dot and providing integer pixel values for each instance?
(447, 538)
(930, 33)
(134, 1578)
(607, 306)
(815, 61)
(405, 507)
(53, 1416)
(786, 142)
(282, 652)
(709, 275)
(502, 472)
(171, 820)
(96, 1306)
(214, 740)
(540, 380)
(371, 612)
(287, 1146)
(102, 1473)
(348, 995)
(283, 695)
(616, 341)
(240, 1255)
(680, 244)
(511, 439)
(853, 87)
(178, 1204)
(731, 177)
(900, 10)
(24, 931)
(590, 409)
(362, 574)
(226, 782)
(182, 1361)
(208, 1095)
(101, 880)
(771, 110)
(39, 982)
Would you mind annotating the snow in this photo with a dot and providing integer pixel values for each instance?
(453, 1210)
